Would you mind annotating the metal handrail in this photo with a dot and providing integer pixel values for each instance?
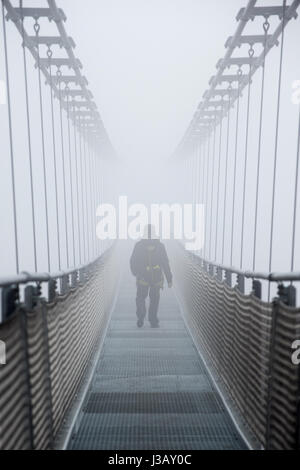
(271, 277)
(26, 277)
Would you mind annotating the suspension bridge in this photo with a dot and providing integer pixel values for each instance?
(76, 372)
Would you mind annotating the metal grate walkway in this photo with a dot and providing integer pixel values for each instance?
(150, 389)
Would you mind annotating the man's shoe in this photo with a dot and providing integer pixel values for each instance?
(140, 323)
(154, 324)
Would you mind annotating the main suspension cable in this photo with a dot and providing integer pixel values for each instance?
(226, 170)
(71, 174)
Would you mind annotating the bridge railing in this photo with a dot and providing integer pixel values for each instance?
(249, 345)
(49, 344)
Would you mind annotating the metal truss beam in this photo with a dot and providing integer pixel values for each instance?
(55, 14)
(265, 12)
(249, 13)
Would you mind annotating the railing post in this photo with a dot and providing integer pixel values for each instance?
(241, 283)
(228, 278)
(9, 300)
(256, 288)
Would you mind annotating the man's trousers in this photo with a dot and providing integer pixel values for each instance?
(154, 294)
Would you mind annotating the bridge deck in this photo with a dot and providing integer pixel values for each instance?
(150, 389)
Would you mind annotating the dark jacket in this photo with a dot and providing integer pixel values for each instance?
(149, 261)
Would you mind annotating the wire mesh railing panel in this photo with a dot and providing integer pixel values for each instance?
(49, 349)
(249, 345)
(38, 369)
(283, 430)
(15, 423)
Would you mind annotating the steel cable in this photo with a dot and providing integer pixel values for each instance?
(82, 191)
(12, 155)
(36, 28)
(266, 27)
(226, 171)
(206, 192)
(95, 191)
(49, 54)
(88, 229)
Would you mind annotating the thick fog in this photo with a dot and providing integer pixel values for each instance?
(148, 64)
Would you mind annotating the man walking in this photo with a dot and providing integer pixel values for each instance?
(149, 263)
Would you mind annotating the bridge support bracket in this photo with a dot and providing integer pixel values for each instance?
(287, 294)
(32, 296)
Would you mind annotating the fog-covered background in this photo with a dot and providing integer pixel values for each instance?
(148, 64)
